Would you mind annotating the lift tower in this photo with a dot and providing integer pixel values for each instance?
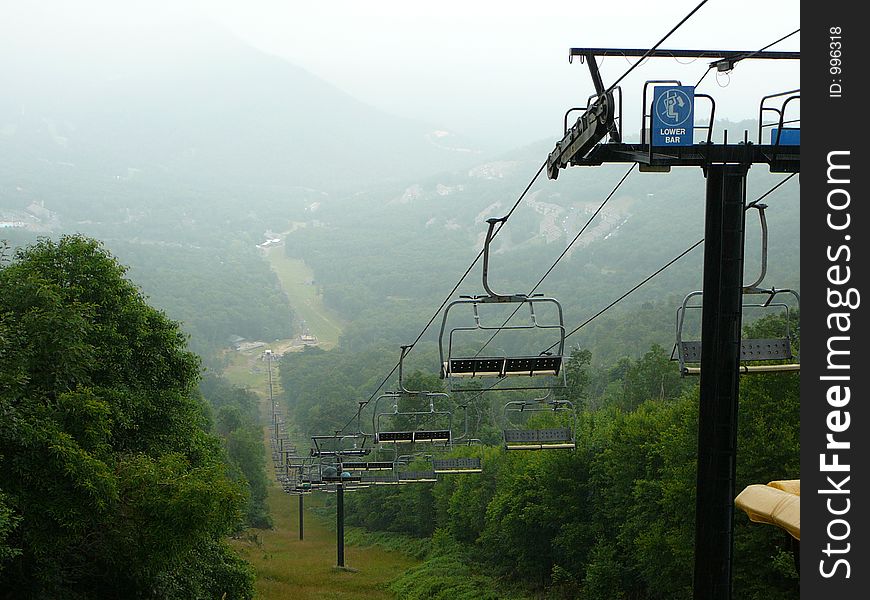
(670, 113)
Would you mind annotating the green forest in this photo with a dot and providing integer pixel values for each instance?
(612, 519)
(112, 434)
(177, 226)
(123, 431)
(118, 479)
(124, 426)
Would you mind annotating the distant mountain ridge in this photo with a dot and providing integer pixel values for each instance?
(202, 110)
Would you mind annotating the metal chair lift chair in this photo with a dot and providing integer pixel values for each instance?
(340, 445)
(456, 465)
(544, 367)
(558, 438)
(309, 475)
(406, 475)
(331, 450)
(459, 465)
(783, 132)
(688, 352)
(419, 433)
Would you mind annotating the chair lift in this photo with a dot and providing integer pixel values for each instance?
(280, 456)
(378, 473)
(340, 445)
(291, 476)
(751, 350)
(283, 478)
(287, 472)
(332, 488)
(332, 472)
(408, 476)
(354, 460)
(456, 367)
(367, 466)
(456, 465)
(464, 439)
(459, 465)
(419, 432)
(303, 487)
(331, 450)
(417, 477)
(309, 475)
(380, 478)
(559, 438)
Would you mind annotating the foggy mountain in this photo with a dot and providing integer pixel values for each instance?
(386, 256)
(201, 109)
(181, 151)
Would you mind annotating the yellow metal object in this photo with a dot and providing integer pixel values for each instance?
(777, 503)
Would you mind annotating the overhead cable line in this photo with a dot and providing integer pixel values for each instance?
(448, 297)
(770, 191)
(563, 254)
(663, 267)
(771, 44)
(514, 207)
(626, 294)
(655, 47)
(576, 237)
(748, 55)
(579, 233)
(621, 77)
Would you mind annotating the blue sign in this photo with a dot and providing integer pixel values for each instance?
(673, 115)
(790, 136)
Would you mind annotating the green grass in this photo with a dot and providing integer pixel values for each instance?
(290, 568)
(247, 371)
(394, 542)
(294, 276)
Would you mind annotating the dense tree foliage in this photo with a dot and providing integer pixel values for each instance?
(119, 480)
(236, 420)
(613, 519)
(111, 485)
(216, 290)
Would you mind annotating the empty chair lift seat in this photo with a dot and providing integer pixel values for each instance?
(766, 349)
(368, 466)
(530, 366)
(560, 438)
(396, 437)
(407, 437)
(344, 476)
(316, 453)
(417, 477)
(457, 465)
(439, 435)
(750, 350)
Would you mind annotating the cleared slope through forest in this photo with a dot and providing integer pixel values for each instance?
(297, 281)
(288, 568)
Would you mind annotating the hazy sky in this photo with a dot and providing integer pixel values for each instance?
(496, 70)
